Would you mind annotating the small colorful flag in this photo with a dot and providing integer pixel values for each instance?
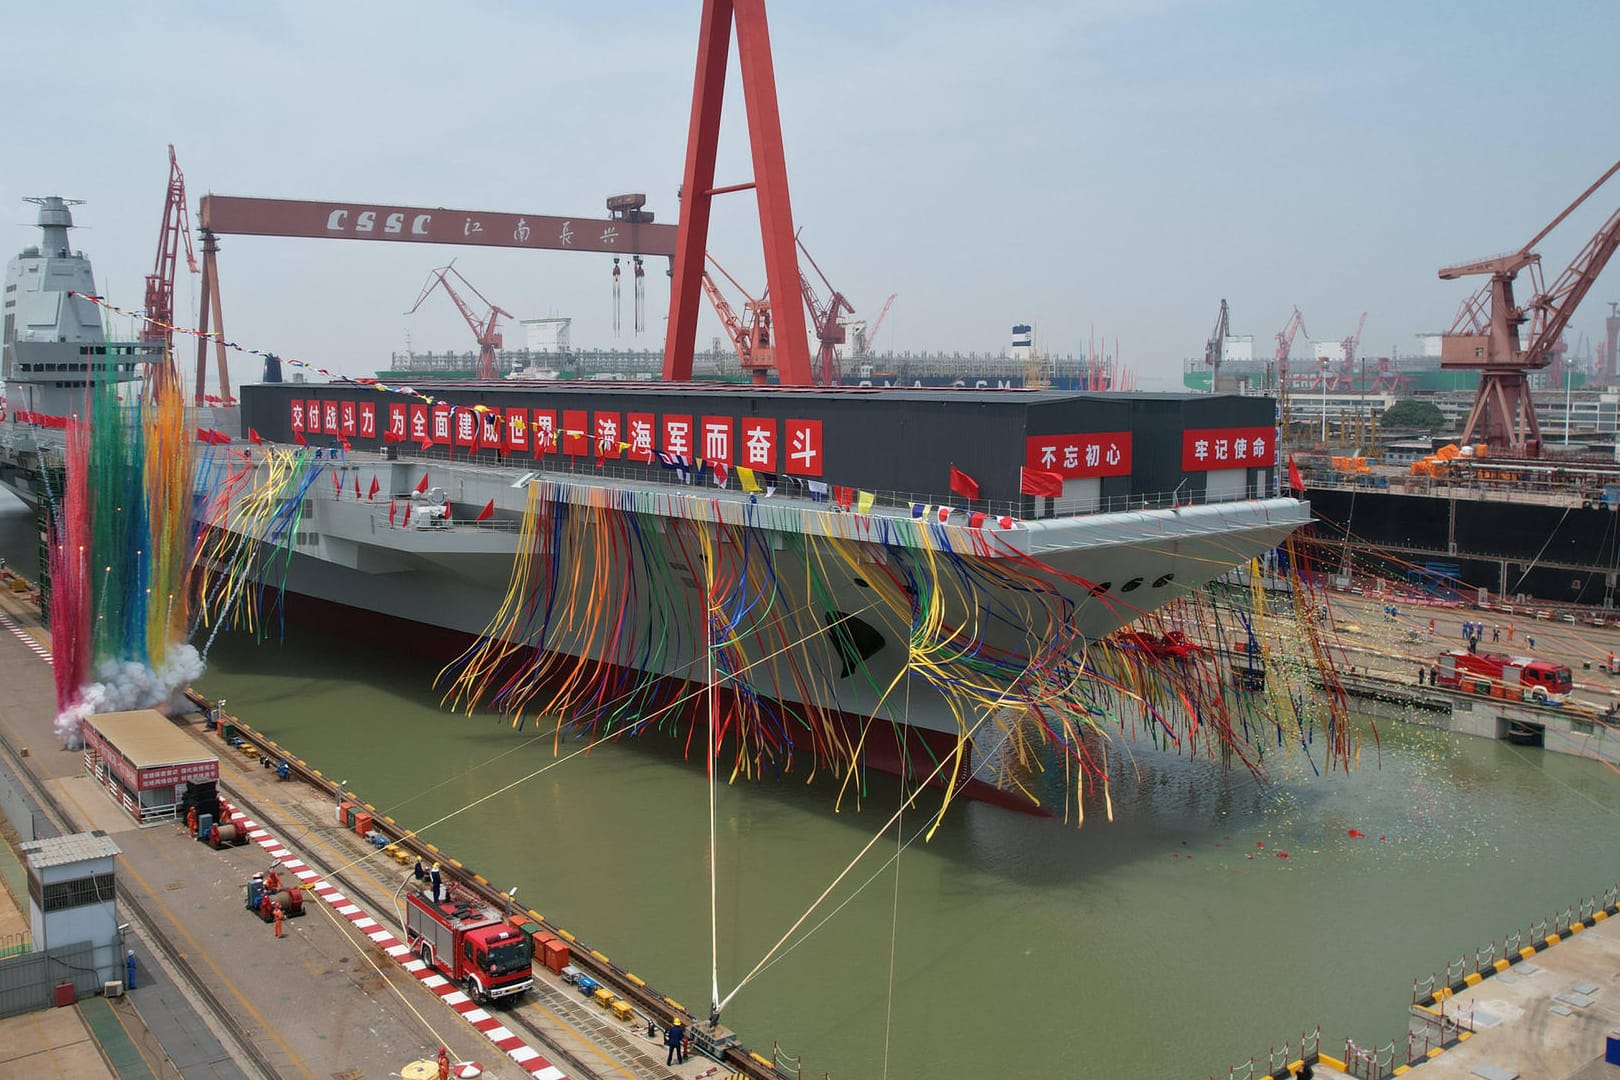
(487, 512)
(864, 501)
(421, 488)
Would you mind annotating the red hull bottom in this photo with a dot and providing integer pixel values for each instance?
(883, 749)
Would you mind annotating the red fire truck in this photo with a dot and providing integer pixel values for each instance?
(468, 942)
(1519, 678)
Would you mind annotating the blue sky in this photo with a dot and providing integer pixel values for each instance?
(1109, 164)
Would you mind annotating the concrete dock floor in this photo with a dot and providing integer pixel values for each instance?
(325, 1000)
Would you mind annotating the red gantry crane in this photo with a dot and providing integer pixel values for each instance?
(1485, 337)
(489, 339)
(830, 330)
(750, 339)
(160, 282)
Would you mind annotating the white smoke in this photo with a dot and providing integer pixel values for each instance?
(124, 685)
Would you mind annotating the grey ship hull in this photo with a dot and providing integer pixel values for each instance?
(452, 580)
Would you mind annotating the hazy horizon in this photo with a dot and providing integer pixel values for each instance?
(1104, 166)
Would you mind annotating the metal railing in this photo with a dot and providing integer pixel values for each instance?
(1279, 1058)
(557, 466)
(1439, 985)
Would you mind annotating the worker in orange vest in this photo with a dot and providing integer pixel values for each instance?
(444, 1064)
(191, 821)
(272, 882)
(280, 917)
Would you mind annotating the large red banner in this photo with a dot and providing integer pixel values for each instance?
(1208, 449)
(1073, 457)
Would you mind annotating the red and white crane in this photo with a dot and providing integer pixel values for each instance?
(830, 331)
(176, 228)
(483, 327)
(1485, 336)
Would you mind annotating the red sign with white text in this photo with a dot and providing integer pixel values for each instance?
(1208, 449)
(803, 446)
(1073, 457)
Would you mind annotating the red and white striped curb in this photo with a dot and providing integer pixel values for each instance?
(510, 1044)
(505, 1040)
(26, 638)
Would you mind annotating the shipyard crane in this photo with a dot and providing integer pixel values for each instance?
(830, 331)
(1485, 336)
(1216, 346)
(484, 329)
(1345, 381)
(1285, 344)
(750, 339)
(176, 227)
(877, 323)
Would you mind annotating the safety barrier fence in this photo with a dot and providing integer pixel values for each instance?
(1275, 1065)
(1519, 945)
(1367, 1063)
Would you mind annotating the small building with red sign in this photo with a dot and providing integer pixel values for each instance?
(147, 764)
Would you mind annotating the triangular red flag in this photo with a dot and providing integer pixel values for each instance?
(487, 512)
(345, 442)
(375, 487)
(407, 520)
(253, 436)
(1296, 482)
(204, 436)
(337, 483)
(421, 488)
(356, 485)
(393, 508)
(964, 485)
(298, 437)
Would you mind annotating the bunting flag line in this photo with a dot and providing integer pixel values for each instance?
(843, 496)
